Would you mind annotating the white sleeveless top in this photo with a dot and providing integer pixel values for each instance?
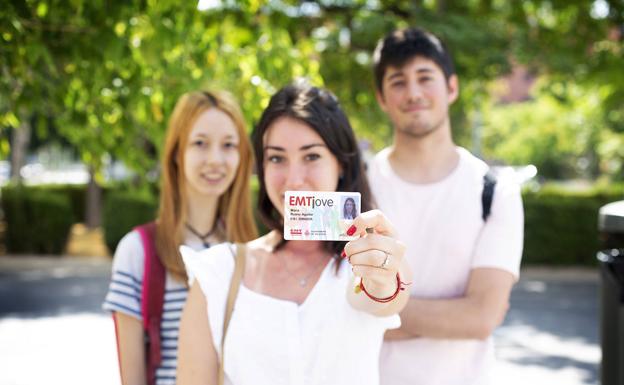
(272, 341)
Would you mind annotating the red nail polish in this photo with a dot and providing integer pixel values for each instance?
(343, 254)
(351, 230)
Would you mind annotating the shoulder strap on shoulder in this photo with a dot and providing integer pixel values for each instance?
(237, 277)
(152, 298)
(489, 183)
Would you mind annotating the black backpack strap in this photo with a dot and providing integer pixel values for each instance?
(489, 183)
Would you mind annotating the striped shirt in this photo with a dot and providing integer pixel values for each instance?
(124, 296)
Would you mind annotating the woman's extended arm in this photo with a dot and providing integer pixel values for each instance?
(197, 357)
(377, 258)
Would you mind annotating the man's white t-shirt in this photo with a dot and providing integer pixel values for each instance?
(446, 237)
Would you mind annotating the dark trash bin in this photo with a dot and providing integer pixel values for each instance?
(611, 259)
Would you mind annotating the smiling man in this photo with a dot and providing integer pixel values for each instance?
(464, 245)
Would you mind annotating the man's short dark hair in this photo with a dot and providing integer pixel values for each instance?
(402, 45)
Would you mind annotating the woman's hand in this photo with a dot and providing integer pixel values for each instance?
(377, 258)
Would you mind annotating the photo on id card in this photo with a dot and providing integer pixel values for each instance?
(320, 215)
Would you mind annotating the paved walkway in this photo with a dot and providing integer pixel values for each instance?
(52, 330)
(551, 333)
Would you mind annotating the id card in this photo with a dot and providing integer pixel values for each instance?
(320, 215)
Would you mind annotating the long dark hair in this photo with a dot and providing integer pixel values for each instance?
(319, 109)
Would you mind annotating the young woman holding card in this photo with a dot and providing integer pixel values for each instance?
(306, 312)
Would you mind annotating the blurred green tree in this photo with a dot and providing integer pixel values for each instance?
(109, 73)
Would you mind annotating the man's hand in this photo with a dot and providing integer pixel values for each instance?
(473, 316)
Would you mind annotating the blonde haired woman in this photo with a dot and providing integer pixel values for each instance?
(204, 200)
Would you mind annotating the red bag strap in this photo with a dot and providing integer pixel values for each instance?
(152, 298)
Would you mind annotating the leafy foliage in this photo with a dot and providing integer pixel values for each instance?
(37, 221)
(108, 73)
(123, 211)
(561, 227)
(558, 132)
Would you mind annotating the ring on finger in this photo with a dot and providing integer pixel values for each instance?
(386, 262)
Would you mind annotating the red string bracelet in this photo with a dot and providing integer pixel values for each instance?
(400, 286)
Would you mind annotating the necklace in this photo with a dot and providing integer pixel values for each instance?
(303, 281)
(204, 237)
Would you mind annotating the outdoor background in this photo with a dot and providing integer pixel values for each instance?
(86, 89)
